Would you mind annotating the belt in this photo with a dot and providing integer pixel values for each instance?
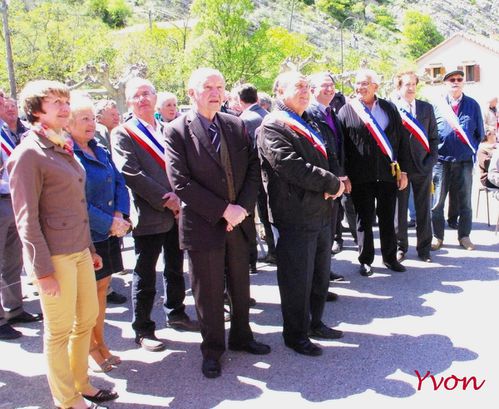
(4, 195)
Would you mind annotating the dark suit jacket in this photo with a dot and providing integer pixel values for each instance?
(147, 180)
(252, 119)
(422, 162)
(335, 152)
(198, 178)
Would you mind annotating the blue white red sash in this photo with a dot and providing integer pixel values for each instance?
(6, 143)
(146, 140)
(377, 133)
(452, 119)
(415, 128)
(298, 125)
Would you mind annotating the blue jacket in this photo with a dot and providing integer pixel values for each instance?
(450, 148)
(105, 190)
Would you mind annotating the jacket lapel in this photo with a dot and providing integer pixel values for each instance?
(197, 131)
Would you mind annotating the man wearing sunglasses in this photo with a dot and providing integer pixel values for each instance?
(460, 129)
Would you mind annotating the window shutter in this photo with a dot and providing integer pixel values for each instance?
(476, 72)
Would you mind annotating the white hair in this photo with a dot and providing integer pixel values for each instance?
(284, 80)
(372, 75)
(133, 84)
(164, 96)
(80, 101)
(199, 76)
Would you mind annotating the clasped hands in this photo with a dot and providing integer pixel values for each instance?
(172, 202)
(120, 226)
(234, 214)
(340, 191)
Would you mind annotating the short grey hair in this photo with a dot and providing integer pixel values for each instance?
(372, 75)
(284, 79)
(104, 104)
(164, 96)
(134, 83)
(201, 74)
(317, 78)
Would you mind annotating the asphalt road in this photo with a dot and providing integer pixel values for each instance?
(438, 319)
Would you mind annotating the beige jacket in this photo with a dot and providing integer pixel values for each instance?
(48, 196)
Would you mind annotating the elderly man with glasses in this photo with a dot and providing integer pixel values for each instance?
(460, 130)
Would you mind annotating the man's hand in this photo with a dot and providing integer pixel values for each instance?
(234, 214)
(119, 227)
(340, 191)
(403, 181)
(97, 261)
(348, 184)
(172, 202)
(49, 286)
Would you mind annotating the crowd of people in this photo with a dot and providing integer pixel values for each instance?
(301, 162)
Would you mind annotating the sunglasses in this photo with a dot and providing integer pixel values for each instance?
(460, 79)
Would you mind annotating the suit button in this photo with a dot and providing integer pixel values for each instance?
(110, 203)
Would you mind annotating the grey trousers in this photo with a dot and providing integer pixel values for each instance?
(11, 264)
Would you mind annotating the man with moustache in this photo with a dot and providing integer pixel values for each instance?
(299, 183)
(375, 162)
(139, 155)
(212, 166)
(460, 130)
(420, 126)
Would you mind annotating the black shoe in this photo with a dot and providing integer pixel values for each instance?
(211, 368)
(400, 255)
(335, 277)
(337, 247)
(115, 298)
(150, 343)
(453, 224)
(425, 257)
(252, 302)
(395, 266)
(366, 270)
(103, 395)
(325, 332)
(252, 347)
(305, 347)
(25, 318)
(7, 332)
(331, 297)
(269, 259)
(253, 269)
(411, 223)
(182, 322)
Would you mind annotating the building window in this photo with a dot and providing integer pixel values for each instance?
(472, 73)
(437, 72)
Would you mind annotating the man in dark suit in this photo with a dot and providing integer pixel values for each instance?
(296, 173)
(139, 154)
(423, 155)
(213, 168)
(320, 111)
(252, 117)
(374, 173)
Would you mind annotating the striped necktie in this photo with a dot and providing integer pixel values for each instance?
(214, 136)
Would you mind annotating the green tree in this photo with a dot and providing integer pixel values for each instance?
(419, 33)
(112, 12)
(53, 41)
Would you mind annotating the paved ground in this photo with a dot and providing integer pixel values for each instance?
(439, 317)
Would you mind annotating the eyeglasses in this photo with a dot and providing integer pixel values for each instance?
(146, 94)
(459, 79)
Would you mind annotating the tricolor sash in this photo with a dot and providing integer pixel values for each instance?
(6, 143)
(377, 133)
(146, 140)
(452, 119)
(415, 128)
(298, 125)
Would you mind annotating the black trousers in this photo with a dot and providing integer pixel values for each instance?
(347, 209)
(421, 186)
(148, 248)
(303, 264)
(263, 214)
(210, 271)
(366, 198)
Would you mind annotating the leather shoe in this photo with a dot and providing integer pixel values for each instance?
(182, 322)
(335, 277)
(325, 332)
(331, 296)
(425, 257)
(436, 244)
(366, 270)
(268, 259)
(411, 223)
(102, 395)
(400, 255)
(453, 223)
(337, 247)
(252, 347)
(150, 343)
(253, 269)
(305, 347)
(211, 368)
(25, 318)
(115, 298)
(7, 332)
(395, 266)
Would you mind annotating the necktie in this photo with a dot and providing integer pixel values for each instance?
(214, 136)
(455, 107)
(330, 122)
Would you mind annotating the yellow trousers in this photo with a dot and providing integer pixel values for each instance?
(68, 323)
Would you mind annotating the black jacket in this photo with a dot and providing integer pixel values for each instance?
(364, 161)
(295, 175)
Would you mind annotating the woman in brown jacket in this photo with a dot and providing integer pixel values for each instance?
(48, 196)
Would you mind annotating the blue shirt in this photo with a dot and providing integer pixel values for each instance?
(105, 190)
